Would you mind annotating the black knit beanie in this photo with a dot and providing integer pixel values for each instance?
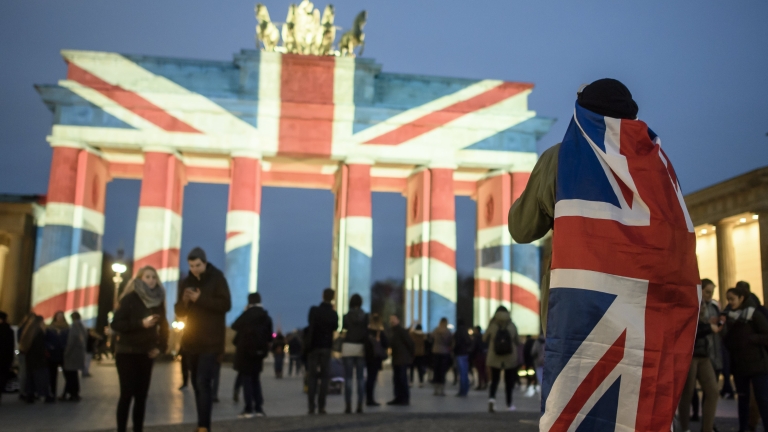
(610, 98)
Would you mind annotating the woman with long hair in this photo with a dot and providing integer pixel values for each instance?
(56, 336)
(142, 335)
(746, 336)
(32, 344)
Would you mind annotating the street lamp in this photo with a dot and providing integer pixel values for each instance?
(119, 268)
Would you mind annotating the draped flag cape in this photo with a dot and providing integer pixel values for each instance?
(624, 291)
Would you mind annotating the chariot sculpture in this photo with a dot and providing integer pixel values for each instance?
(306, 31)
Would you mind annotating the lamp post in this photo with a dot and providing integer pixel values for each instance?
(119, 268)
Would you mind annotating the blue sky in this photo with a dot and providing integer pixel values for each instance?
(697, 70)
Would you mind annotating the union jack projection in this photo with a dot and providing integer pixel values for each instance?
(624, 294)
(272, 119)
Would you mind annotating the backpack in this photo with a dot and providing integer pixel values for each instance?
(255, 340)
(502, 342)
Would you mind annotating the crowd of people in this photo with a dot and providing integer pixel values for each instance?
(729, 351)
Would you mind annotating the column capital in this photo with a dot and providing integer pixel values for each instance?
(58, 142)
(445, 164)
(246, 153)
(359, 160)
(161, 149)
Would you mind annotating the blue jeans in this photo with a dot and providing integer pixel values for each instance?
(463, 364)
(760, 386)
(204, 368)
(358, 363)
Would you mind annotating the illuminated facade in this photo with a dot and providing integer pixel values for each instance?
(272, 119)
(731, 220)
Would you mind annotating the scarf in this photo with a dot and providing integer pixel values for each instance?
(624, 296)
(151, 297)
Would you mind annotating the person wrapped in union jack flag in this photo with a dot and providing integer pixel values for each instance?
(620, 304)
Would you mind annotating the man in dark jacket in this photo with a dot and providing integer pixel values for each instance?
(7, 347)
(462, 346)
(323, 322)
(402, 357)
(254, 332)
(204, 301)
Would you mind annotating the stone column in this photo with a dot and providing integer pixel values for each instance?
(763, 227)
(158, 227)
(243, 221)
(726, 258)
(526, 273)
(493, 269)
(68, 263)
(507, 274)
(431, 246)
(352, 236)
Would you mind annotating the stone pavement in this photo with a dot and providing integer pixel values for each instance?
(172, 410)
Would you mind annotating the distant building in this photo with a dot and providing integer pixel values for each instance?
(731, 220)
(19, 218)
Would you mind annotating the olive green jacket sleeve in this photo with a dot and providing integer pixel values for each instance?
(533, 214)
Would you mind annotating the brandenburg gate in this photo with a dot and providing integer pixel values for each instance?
(286, 117)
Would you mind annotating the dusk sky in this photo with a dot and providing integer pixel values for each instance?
(698, 71)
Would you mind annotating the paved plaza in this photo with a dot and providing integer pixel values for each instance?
(172, 410)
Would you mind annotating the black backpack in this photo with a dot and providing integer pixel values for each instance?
(255, 339)
(502, 342)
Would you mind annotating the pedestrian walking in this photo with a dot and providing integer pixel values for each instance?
(355, 326)
(376, 353)
(294, 352)
(477, 358)
(462, 346)
(91, 344)
(278, 353)
(203, 301)
(503, 342)
(323, 322)
(55, 342)
(705, 348)
(442, 342)
(419, 354)
(33, 345)
(184, 364)
(402, 357)
(7, 348)
(745, 335)
(254, 334)
(21, 356)
(141, 334)
(74, 358)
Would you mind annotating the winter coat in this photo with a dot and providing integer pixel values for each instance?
(714, 340)
(402, 346)
(36, 354)
(323, 322)
(355, 322)
(746, 337)
(418, 337)
(502, 320)
(132, 337)
(462, 341)
(205, 326)
(294, 344)
(7, 347)
(442, 341)
(383, 340)
(253, 327)
(74, 353)
(278, 345)
(55, 342)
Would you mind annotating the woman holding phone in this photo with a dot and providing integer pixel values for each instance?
(142, 335)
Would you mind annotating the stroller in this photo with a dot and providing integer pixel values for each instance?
(336, 372)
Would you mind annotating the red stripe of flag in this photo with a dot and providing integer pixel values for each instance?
(591, 382)
(439, 118)
(129, 100)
